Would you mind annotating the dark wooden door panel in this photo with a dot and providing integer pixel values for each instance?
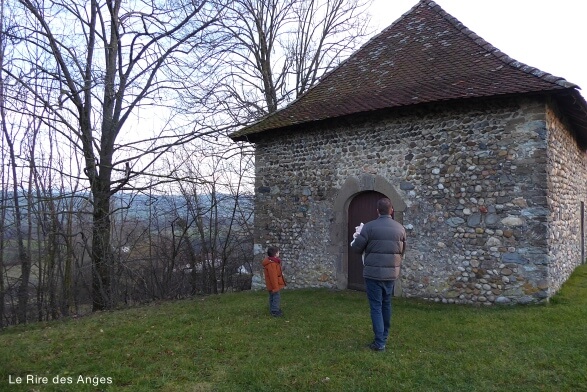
(363, 208)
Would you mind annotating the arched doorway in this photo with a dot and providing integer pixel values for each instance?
(362, 208)
(342, 229)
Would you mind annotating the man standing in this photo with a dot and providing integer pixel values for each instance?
(383, 242)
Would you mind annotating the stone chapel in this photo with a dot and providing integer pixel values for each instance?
(482, 156)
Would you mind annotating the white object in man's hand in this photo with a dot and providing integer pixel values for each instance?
(357, 232)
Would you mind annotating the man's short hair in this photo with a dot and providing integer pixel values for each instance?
(384, 206)
(272, 251)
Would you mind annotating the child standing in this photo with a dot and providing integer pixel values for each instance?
(274, 280)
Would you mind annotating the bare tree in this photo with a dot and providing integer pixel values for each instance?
(9, 136)
(109, 59)
(277, 49)
(217, 214)
(51, 208)
(327, 32)
(3, 194)
(88, 99)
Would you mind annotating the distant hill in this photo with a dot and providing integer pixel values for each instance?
(132, 205)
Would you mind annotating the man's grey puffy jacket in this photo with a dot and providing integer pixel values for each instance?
(384, 242)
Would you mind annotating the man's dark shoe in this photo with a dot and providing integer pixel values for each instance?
(374, 347)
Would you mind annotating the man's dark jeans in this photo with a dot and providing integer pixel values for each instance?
(379, 295)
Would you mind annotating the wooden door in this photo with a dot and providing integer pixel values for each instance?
(363, 208)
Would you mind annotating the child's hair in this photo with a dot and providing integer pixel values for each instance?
(272, 251)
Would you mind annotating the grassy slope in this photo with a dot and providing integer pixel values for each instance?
(228, 343)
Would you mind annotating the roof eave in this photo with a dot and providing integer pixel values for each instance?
(573, 105)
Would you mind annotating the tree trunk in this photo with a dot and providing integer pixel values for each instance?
(3, 185)
(2, 225)
(23, 256)
(25, 264)
(52, 260)
(67, 302)
(101, 252)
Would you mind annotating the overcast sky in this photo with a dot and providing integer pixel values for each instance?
(546, 34)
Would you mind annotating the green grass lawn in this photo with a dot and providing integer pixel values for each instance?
(229, 343)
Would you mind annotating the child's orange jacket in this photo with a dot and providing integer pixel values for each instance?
(274, 280)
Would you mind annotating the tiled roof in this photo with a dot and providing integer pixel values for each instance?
(425, 56)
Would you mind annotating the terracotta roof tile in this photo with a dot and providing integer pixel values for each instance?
(425, 56)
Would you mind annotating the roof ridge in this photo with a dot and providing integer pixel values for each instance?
(497, 52)
(370, 40)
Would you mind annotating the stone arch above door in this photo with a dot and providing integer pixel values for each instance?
(351, 187)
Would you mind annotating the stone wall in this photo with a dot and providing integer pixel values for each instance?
(473, 177)
(567, 187)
